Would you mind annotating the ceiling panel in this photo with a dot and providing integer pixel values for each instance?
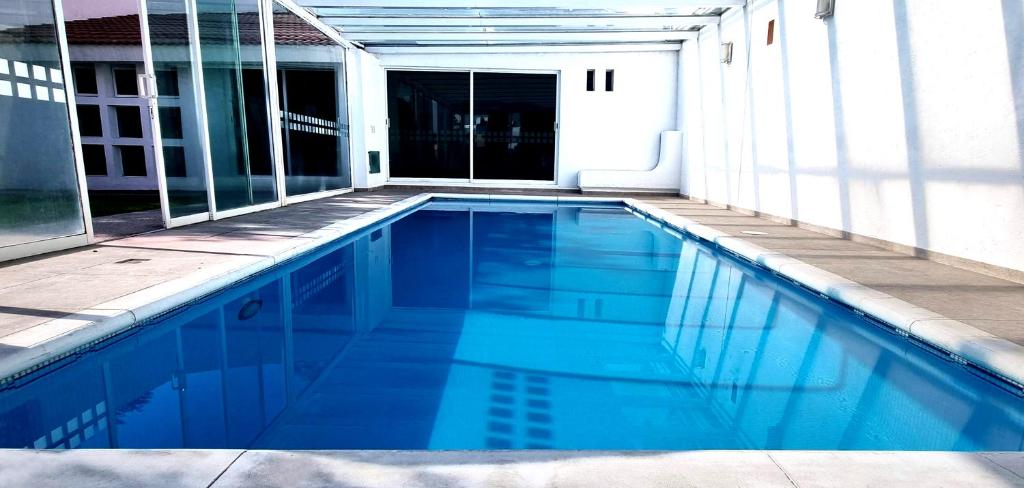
(414, 23)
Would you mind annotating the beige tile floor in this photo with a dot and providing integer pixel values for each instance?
(36, 290)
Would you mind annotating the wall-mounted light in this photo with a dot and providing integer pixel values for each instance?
(727, 52)
(825, 9)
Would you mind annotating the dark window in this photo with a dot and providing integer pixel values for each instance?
(429, 123)
(95, 159)
(591, 74)
(174, 162)
(133, 160)
(129, 121)
(126, 84)
(609, 80)
(167, 83)
(170, 122)
(84, 76)
(771, 32)
(89, 121)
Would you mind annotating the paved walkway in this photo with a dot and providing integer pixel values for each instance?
(508, 469)
(990, 304)
(40, 289)
(37, 290)
(127, 224)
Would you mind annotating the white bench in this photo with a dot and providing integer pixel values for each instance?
(663, 177)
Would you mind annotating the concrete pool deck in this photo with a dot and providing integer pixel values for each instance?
(507, 469)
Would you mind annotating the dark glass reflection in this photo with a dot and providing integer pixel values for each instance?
(429, 124)
(514, 137)
(512, 326)
(313, 101)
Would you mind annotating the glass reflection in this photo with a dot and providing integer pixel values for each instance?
(429, 131)
(312, 97)
(177, 106)
(236, 96)
(106, 53)
(514, 117)
(39, 193)
(512, 326)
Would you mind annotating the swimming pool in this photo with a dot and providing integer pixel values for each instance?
(476, 325)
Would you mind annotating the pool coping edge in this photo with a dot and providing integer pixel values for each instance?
(53, 340)
(963, 343)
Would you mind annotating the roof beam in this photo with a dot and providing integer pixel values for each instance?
(524, 48)
(624, 23)
(617, 5)
(485, 37)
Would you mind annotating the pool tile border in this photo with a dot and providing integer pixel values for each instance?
(50, 341)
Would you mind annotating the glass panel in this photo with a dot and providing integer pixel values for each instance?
(89, 124)
(177, 104)
(126, 82)
(84, 75)
(236, 100)
(174, 160)
(39, 197)
(105, 50)
(314, 115)
(129, 121)
(515, 126)
(133, 160)
(170, 122)
(429, 132)
(167, 82)
(95, 158)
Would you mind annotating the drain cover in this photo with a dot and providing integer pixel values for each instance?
(131, 261)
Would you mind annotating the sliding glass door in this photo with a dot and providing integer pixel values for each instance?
(237, 114)
(178, 144)
(314, 106)
(514, 126)
(429, 117)
(472, 125)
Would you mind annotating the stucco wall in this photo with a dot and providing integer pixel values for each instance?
(896, 120)
(367, 89)
(599, 129)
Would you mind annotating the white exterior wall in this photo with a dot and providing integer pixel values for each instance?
(597, 130)
(367, 101)
(902, 121)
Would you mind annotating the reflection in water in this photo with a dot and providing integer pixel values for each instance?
(512, 326)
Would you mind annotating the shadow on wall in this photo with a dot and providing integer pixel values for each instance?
(928, 131)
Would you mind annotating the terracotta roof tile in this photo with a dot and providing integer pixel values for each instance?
(124, 30)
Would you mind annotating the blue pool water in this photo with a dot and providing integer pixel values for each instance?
(476, 325)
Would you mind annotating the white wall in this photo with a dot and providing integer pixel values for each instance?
(597, 130)
(367, 101)
(896, 120)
